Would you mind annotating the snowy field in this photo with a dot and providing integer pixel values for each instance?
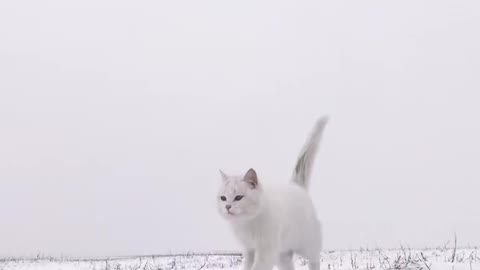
(431, 259)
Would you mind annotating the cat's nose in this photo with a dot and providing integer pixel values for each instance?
(228, 206)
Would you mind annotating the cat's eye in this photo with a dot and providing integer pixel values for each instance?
(238, 198)
(223, 198)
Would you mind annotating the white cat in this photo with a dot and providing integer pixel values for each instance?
(273, 223)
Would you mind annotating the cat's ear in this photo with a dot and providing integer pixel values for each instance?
(251, 178)
(224, 175)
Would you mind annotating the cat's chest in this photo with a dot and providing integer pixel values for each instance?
(245, 237)
(250, 235)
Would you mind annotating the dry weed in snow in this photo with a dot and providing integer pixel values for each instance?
(431, 259)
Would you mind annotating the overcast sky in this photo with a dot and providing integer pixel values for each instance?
(115, 117)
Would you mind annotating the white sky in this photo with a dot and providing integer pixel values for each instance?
(115, 117)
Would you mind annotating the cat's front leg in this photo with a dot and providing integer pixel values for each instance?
(265, 258)
(248, 259)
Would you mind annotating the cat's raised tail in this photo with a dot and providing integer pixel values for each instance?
(303, 168)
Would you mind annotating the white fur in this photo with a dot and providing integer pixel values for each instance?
(273, 223)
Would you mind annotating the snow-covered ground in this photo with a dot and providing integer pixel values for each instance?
(432, 259)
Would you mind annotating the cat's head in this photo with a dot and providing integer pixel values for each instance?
(239, 197)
